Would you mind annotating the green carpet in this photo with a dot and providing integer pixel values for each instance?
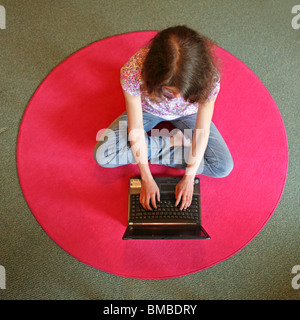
(39, 35)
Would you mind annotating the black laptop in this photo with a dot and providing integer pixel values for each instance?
(167, 221)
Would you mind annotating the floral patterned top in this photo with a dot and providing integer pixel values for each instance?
(167, 109)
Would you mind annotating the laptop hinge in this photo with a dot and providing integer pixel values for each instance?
(163, 223)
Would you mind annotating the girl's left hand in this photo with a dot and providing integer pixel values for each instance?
(184, 192)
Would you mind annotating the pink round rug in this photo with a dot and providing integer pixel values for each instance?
(83, 207)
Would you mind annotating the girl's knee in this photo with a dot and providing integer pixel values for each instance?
(219, 168)
(225, 168)
(98, 155)
(104, 157)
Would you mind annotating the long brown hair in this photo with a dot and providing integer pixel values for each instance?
(180, 57)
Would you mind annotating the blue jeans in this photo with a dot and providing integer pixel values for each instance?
(114, 148)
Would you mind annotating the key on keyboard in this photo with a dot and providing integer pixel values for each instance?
(166, 210)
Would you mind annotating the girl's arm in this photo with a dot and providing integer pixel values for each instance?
(137, 140)
(184, 189)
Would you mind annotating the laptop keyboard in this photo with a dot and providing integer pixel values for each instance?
(166, 210)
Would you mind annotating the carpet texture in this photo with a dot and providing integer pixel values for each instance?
(83, 207)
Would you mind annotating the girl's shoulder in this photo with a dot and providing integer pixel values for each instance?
(216, 86)
(141, 54)
(137, 60)
(131, 72)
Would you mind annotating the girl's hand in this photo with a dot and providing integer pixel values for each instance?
(184, 192)
(149, 192)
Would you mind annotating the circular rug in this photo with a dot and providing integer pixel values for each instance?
(83, 207)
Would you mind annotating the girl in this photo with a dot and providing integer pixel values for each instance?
(174, 78)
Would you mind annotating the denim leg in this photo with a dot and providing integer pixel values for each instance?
(217, 161)
(114, 148)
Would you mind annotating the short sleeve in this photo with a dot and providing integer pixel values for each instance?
(131, 73)
(215, 90)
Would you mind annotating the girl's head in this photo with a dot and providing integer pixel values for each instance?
(180, 61)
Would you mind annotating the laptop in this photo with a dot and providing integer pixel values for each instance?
(167, 221)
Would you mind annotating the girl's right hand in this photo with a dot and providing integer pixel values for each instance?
(149, 193)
